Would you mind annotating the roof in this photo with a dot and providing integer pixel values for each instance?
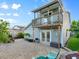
(51, 3)
(28, 25)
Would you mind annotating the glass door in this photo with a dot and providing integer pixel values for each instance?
(48, 36)
(45, 36)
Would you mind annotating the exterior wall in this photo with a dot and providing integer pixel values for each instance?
(66, 25)
(37, 33)
(54, 36)
(30, 31)
(64, 34)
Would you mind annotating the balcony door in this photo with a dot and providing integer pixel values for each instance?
(45, 36)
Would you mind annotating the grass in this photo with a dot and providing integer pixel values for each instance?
(73, 43)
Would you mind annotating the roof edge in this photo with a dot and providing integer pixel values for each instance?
(46, 5)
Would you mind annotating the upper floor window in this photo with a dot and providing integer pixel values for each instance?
(55, 10)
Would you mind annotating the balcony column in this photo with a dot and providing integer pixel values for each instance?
(59, 28)
(50, 35)
(33, 28)
(34, 15)
(40, 35)
(40, 18)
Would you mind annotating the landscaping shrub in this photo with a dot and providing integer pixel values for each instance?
(77, 35)
(4, 38)
(73, 43)
(4, 33)
(20, 35)
(11, 39)
(26, 35)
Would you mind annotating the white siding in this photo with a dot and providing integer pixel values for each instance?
(66, 25)
(30, 31)
(55, 36)
(37, 33)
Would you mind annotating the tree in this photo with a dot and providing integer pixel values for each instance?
(4, 33)
(75, 28)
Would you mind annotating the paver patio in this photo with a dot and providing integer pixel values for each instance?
(22, 49)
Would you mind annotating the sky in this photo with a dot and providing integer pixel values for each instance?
(18, 12)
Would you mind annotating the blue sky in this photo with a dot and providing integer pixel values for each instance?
(18, 12)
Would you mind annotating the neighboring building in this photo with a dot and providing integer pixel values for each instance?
(50, 24)
(15, 30)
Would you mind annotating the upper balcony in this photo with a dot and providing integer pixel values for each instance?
(54, 20)
(48, 16)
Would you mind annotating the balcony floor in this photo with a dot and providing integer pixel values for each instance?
(49, 26)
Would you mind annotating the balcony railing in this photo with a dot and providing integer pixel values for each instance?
(52, 20)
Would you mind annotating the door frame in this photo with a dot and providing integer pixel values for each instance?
(45, 31)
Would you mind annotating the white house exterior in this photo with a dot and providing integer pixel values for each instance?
(50, 24)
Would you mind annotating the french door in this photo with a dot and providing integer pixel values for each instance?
(45, 36)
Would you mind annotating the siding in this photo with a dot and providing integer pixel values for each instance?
(30, 31)
(55, 36)
(66, 25)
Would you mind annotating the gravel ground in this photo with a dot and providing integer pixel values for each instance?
(21, 49)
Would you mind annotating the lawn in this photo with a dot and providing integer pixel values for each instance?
(73, 43)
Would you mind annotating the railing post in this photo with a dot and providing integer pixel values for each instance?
(59, 36)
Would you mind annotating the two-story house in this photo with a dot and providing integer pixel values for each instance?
(50, 24)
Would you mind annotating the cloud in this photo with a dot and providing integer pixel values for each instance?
(10, 20)
(29, 13)
(5, 14)
(15, 14)
(8, 14)
(4, 6)
(16, 6)
(2, 14)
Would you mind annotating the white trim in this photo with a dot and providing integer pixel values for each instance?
(50, 35)
(45, 31)
(61, 38)
(40, 36)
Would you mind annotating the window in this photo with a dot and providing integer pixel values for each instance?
(48, 36)
(55, 10)
(54, 18)
(43, 36)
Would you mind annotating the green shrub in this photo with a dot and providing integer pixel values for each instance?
(27, 34)
(4, 33)
(4, 38)
(20, 35)
(73, 43)
(77, 35)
